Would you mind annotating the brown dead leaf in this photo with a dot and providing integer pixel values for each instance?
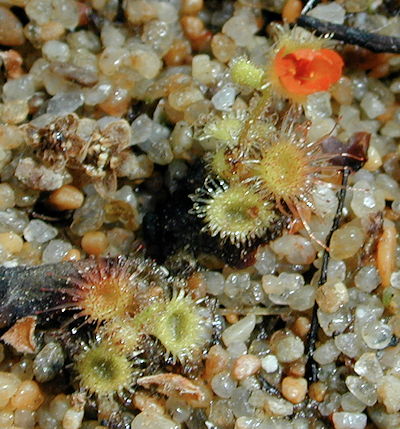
(21, 335)
(173, 385)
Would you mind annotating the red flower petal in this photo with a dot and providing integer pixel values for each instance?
(306, 71)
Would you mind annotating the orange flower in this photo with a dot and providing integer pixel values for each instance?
(305, 71)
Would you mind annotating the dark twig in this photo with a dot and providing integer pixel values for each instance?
(309, 5)
(353, 36)
(26, 291)
(312, 367)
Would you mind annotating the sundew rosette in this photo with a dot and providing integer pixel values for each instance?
(233, 212)
(182, 326)
(103, 369)
(114, 288)
(288, 168)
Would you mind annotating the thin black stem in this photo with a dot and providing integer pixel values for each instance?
(309, 5)
(312, 367)
(353, 36)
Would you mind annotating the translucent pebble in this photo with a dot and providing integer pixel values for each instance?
(215, 282)
(202, 69)
(326, 353)
(280, 288)
(334, 322)
(353, 236)
(141, 129)
(336, 270)
(278, 406)
(348, 344)
(289, 348)
(45, 419)
(13, 220)
(388, 186)
(28, 396)
(366, 313)
(39, 231)
(140, 11)
(295, 248)
(111, 59)
(318, 105)
(389, 393)
(55, 50)
(146, 62)
(84, 39)
(7, 196)
(223, 385)
(158, 35)
(178, 409)
(362, 389)
(330, 297)
(66, 12)
(182, 98)
(395, 280)
(325, 201)
(391, 129)
(221, 413)
(366, 200)
(360, 84)
(9, 384)
(367, 279)
(236, 349)
(55, 251)
(24, 419)
(126, 194)
(342, 91)
(48, 362)
(349, 118)
(302, 299)
(240, 29)
(64, 103)
(168, 12)
(239, 402)
(265, 261)
(235, 283)
(21, 88)
(223, 99)
(10, 138)
(332, 12)
(181, 138)
(369, 367)
(112, 36)
(240, 331)
(89, 217)
(72, 419)
(344, 420)
(97, 94)
(395, 86)
(223, 47)
(372, 105)
(58, 406)
(330, 404)
(376, 334)
(351, 404)
(269, 363)
(158, 151)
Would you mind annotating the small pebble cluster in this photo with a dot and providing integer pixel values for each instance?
(106, 107)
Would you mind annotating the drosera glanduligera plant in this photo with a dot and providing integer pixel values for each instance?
(264, 162)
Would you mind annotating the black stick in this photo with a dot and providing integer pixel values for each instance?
(353, 36)
(26, 291)
(309, 5)
(312, 367)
